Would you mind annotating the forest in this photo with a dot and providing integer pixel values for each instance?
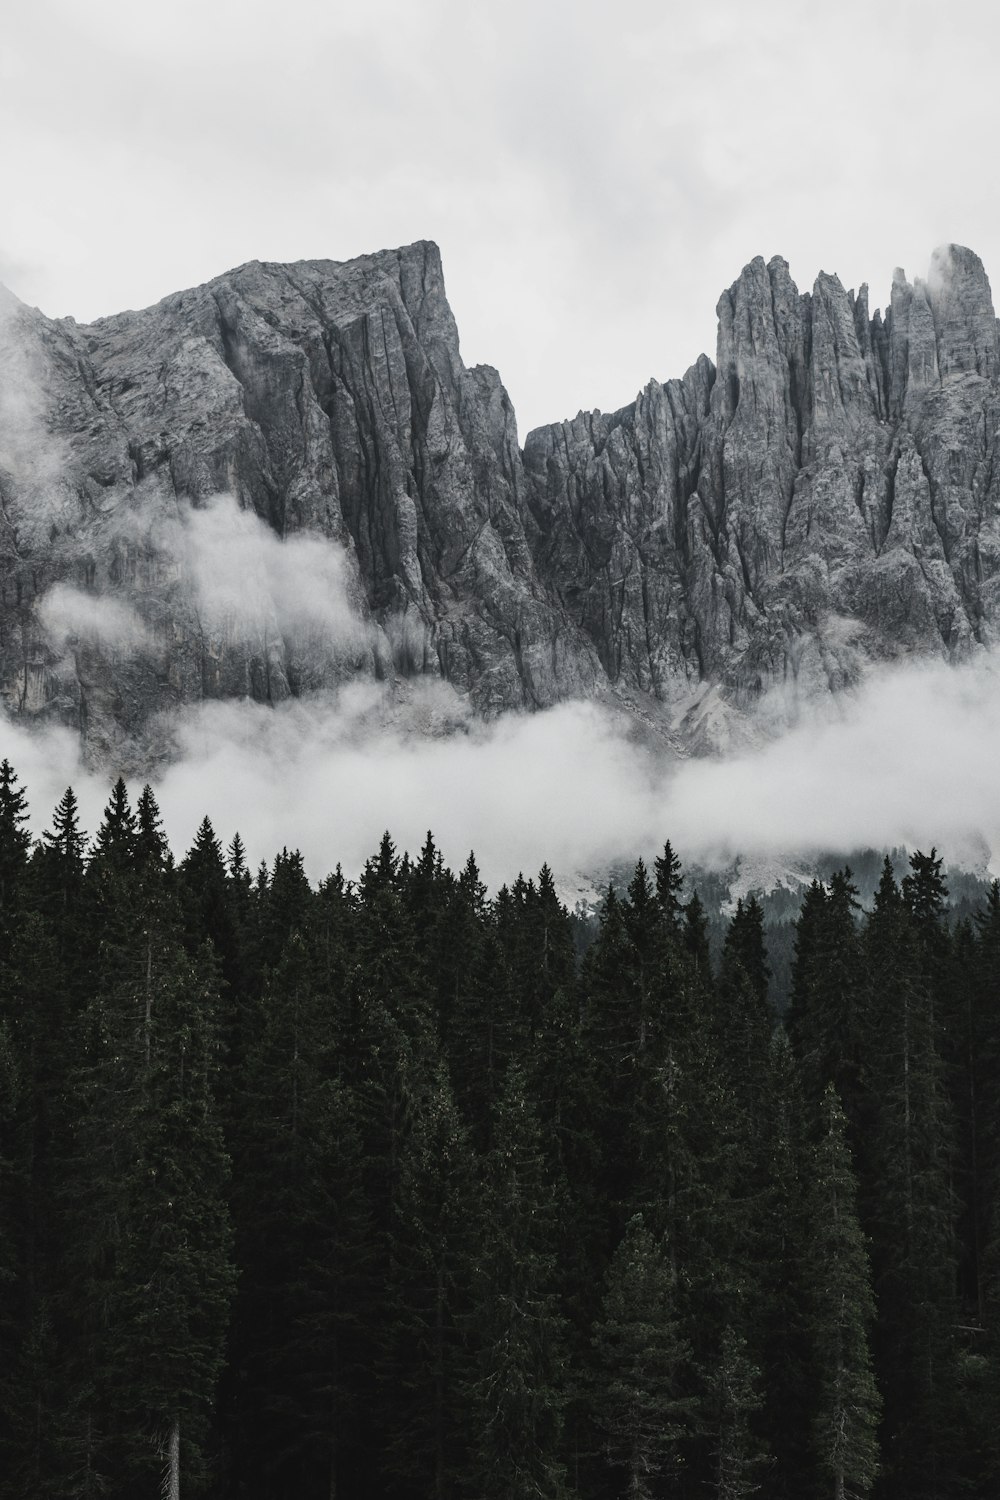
(383, 1190)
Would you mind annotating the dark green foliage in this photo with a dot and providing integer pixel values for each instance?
(518, 1384)
(392, 1190)
(908, 1202)
(733, 1404)
(434, 1283)
(637, 1400)
(826, 1017)
(843, 1311)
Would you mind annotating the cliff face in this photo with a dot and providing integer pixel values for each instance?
(825, 496)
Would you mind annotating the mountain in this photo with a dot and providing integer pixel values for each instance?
(736, 543)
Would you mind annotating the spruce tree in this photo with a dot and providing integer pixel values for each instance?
(734, 1400)
(843, 1310)
(669, 879)
(518, 1383)
(908, 1202)
(827, 1015)
(637, 1402)
(782, 1273)
(15, 843)
(436, 1244)
(145, 1193)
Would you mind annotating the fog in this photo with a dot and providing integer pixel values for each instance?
(244, 575)
(910, 759)
(68, 614)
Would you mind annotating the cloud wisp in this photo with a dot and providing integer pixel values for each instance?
(910, 759)
(246, 578)
(68, 614)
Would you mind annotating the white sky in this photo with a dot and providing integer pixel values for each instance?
(595, 175)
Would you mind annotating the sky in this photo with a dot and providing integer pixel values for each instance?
(595, 177)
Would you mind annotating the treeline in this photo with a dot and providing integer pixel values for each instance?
(378, 1190)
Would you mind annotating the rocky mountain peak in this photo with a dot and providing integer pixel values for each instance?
(964, 320)
(751, 535)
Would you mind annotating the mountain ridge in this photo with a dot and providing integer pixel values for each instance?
(724, 551)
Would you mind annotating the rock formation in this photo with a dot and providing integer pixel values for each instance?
(825, 496)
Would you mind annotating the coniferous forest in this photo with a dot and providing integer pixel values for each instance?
(378, 1189)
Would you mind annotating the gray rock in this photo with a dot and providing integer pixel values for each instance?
(753, 535)
(839, 492)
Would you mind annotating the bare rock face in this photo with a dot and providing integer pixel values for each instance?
(830, 491)
(826, 495)
(328, 400)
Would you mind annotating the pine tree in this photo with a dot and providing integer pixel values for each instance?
(694, 936)
(669, 884)
(843, 1310)
(168, 1304)
(827, 1016)
(908, 1204)
(207, 900)
(66, 838)
(734, 1400)
(782, 1272)
(745, 1021)
(11, 1315)
(146, 1186)
(637, 1400)
(150, 847)
(302, 1213)
(518, 1385)
(115, 842)
(15, 842)
(32, 1150)
(433, 1261)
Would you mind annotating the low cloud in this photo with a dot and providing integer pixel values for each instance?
(246, 578)
(910, 759)
(68, 614)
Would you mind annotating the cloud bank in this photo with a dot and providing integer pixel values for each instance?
(909, 759)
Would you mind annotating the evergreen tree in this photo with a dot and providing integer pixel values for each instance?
(115, 842)
(434, 1256)
(827, 1016)
(734, 1401)
(150, 847)
(144, 1195)
(908, 1203)
(518, 1384)
(746, 1021)
(669, 884)
(32, 1157)
(637, 1402)
(287, 1129)
(15, 842)
(209, 903)
(843, 1310)
(782, 1271)
(694, 936)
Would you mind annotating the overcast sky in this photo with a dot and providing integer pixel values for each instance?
(594, 175)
